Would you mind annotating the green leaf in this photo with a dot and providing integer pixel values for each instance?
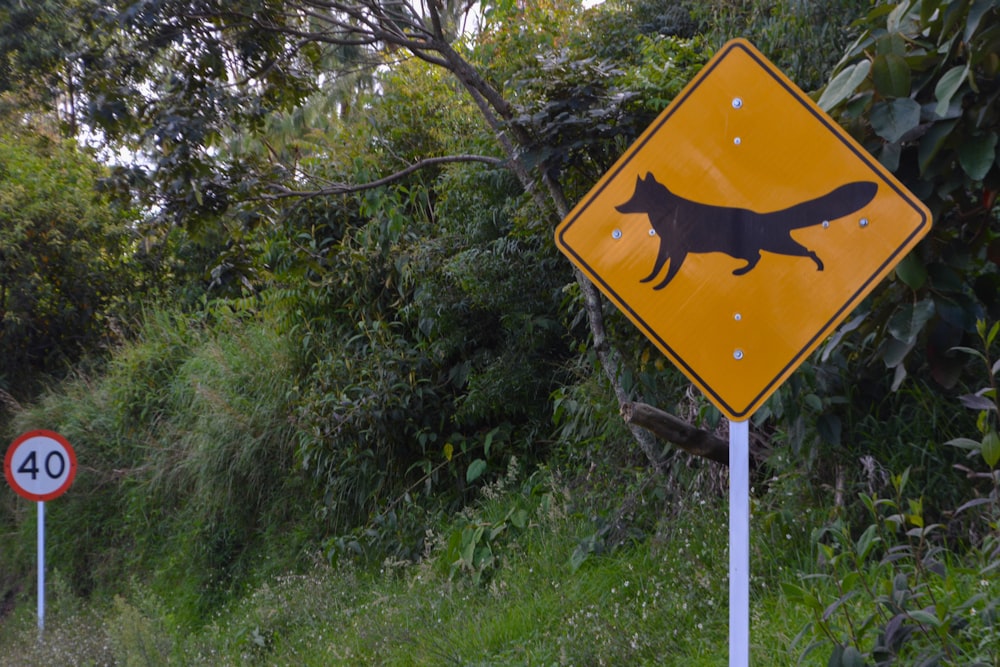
(892, 119)
(488, 441)
(834, 606)
(792, 592)
(925, 617)
(976, 155)
(976, 12)
(933, 141)
(475, 470)
(964, 443)
(852, 658)
(867, 540)
(895, 351)
(947, 86)
(912, 271)
(891, 75)
(992, 335)
(844, 85)
(991, 449)
(907, 323)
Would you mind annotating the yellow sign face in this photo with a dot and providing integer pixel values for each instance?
(741, 228)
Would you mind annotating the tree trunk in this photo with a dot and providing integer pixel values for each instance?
(677, 431)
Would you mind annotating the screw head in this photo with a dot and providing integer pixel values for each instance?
(737, 102)
(617, 234)
(737, 354)
(863, 222)
(652, 232)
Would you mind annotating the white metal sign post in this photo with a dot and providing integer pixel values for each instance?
(739, 544)
(40, 466)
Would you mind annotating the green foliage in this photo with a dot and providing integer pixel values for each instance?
(918, 88)
(986, 403)
(62, 259)
(906, 590)
(659, 603)
(895, 594)
(189, 466)
(803, 38)
(581, 112)
(427, 321)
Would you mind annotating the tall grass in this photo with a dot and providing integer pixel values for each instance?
(662, 601)
(187, 462)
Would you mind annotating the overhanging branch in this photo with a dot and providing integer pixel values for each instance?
(281, 192)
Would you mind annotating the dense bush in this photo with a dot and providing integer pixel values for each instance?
(62, 260)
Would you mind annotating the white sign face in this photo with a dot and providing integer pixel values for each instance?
(40, 465)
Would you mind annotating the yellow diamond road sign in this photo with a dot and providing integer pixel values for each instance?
(741, 228)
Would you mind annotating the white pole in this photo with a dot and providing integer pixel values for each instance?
(41, 568)
(739, 544)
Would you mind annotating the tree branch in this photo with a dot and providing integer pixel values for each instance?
(280, 192)
(677, 431)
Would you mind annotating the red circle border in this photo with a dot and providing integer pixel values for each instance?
(24, 493)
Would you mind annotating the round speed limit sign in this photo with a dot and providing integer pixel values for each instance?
(40, 465)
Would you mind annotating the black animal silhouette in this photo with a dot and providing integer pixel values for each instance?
(686, 226)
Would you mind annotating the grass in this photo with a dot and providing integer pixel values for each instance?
(661, 601)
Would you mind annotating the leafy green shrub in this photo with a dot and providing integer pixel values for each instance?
(62, 260)
(896, 594)
(906, 590)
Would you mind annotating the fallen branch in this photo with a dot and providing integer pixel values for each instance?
(677, 431)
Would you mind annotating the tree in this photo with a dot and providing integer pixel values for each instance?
(61, 255)
(919, 89)
(175, 79)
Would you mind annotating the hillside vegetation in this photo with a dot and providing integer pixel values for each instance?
(285, 278)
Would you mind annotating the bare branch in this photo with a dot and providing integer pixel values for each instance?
(280, 192)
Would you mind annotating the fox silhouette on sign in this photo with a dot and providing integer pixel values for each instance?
(684, 226)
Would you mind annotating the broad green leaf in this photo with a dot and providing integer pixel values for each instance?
(895, 351)
(933, 141)
(976, 155)
(947, 86)
(867, 540)
(925, 617)
(889, 156)
(488, 441)
(952, 12)
(892, 42)
(894, 118)
(475, 470)
(927, 9)
(991, 449)
(964, 443)
(891, 75)
(852, 658)
(976, 12)
(844, 85)
(792, 592)
(907, 323)
(992, 335)
(912, 272)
